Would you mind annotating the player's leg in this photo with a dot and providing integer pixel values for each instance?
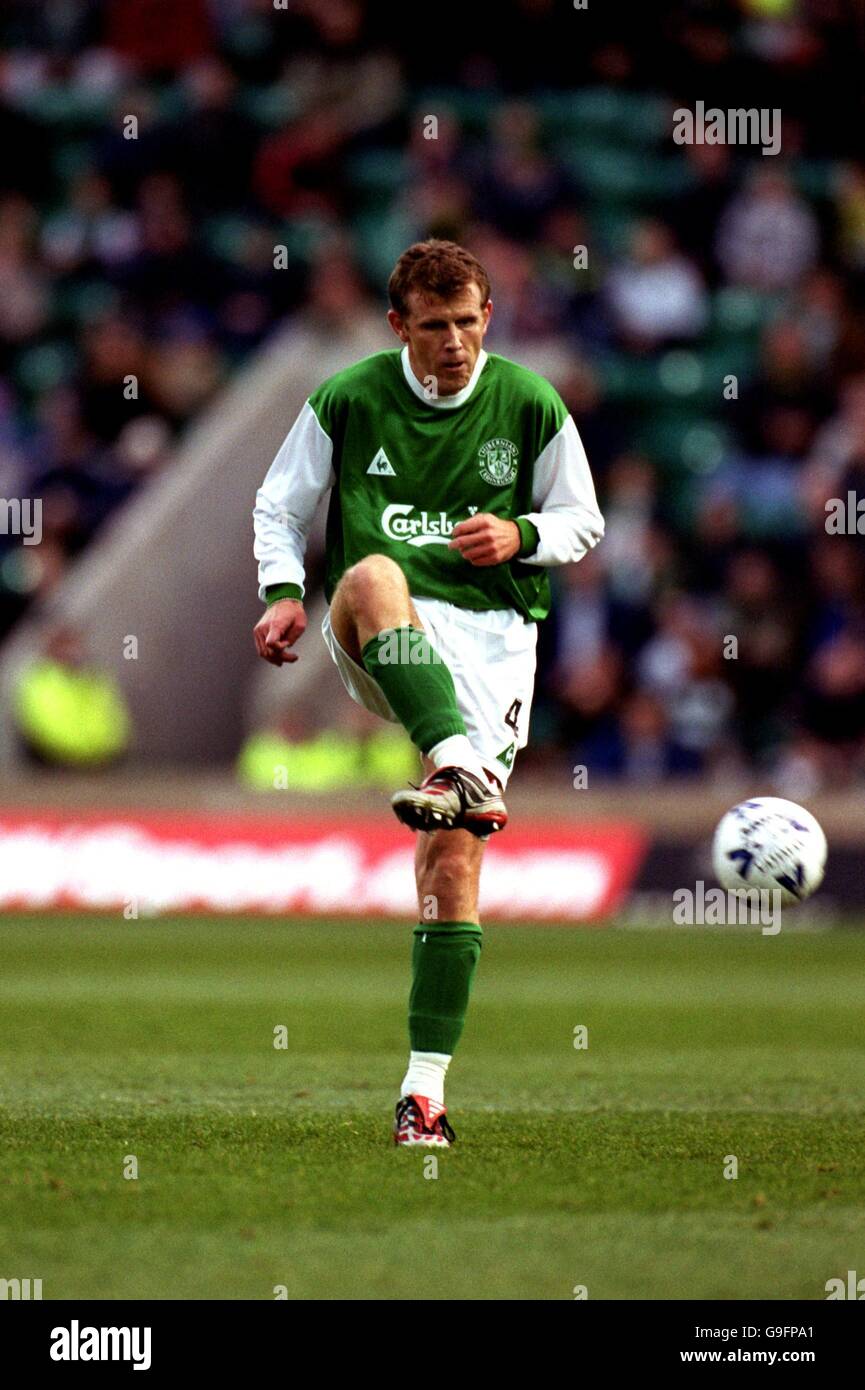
(375, 622)
(371, 597)
(492, 657)
(445, 954)
(494, 660)
(447, 875)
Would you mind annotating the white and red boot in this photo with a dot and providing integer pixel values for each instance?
(422, 1121)
(452, 798)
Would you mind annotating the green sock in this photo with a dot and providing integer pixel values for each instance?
(444, 959)
(418, 685)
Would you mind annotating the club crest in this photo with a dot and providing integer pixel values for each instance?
(497, 460)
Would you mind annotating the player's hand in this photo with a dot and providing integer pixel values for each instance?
(486, 540)
(278, 630)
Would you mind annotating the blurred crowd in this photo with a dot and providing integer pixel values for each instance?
(706, 302)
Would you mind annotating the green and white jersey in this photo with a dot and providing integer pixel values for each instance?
(404, 468)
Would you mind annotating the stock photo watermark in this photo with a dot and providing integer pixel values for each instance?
(22, 516)
(851, 1288)
(719, 907)
(845, 517)
(20, 1290)
(406, 646)
(77, 1343)
(760, 126)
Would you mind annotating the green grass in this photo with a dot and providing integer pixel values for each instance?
(261, 1167)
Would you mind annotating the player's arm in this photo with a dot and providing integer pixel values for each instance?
(567, 521)
(285, 506)
(485, 539)
(565, 526)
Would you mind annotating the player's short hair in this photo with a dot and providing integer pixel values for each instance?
(437, 269)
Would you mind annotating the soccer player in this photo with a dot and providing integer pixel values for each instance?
(456, 479)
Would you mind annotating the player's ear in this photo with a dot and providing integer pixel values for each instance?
(396, 323)
(488, 313)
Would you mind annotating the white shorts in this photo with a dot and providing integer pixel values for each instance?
(491, 656)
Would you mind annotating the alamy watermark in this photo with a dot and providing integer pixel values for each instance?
(719, 907)
(854, 1287)
(20, 1289)
(737, 126)
(845, 517)
(77, 1343)
(22, 516)
(406, 646)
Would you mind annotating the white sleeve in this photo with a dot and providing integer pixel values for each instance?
(287, 500)
(568, 520)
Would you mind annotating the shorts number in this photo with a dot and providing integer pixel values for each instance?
(513, 715)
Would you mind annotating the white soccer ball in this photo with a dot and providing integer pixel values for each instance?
(770, 843)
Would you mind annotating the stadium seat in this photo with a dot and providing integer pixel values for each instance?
(41, 368)
(683, 442)
(378, 173)
(380, 239)
(473, 110)
(606, 115)
(270, 107)
(608, 172)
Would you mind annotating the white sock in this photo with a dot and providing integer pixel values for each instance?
(456, 751)
(426, 1075)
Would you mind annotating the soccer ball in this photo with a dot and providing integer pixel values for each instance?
(773, 844)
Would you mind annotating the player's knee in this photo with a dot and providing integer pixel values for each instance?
(364, 583)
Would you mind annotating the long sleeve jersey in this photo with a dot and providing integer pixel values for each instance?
(404, 466)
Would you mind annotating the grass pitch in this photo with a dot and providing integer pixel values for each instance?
(261, 1167)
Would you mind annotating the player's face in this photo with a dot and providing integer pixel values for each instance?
(444, 336)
